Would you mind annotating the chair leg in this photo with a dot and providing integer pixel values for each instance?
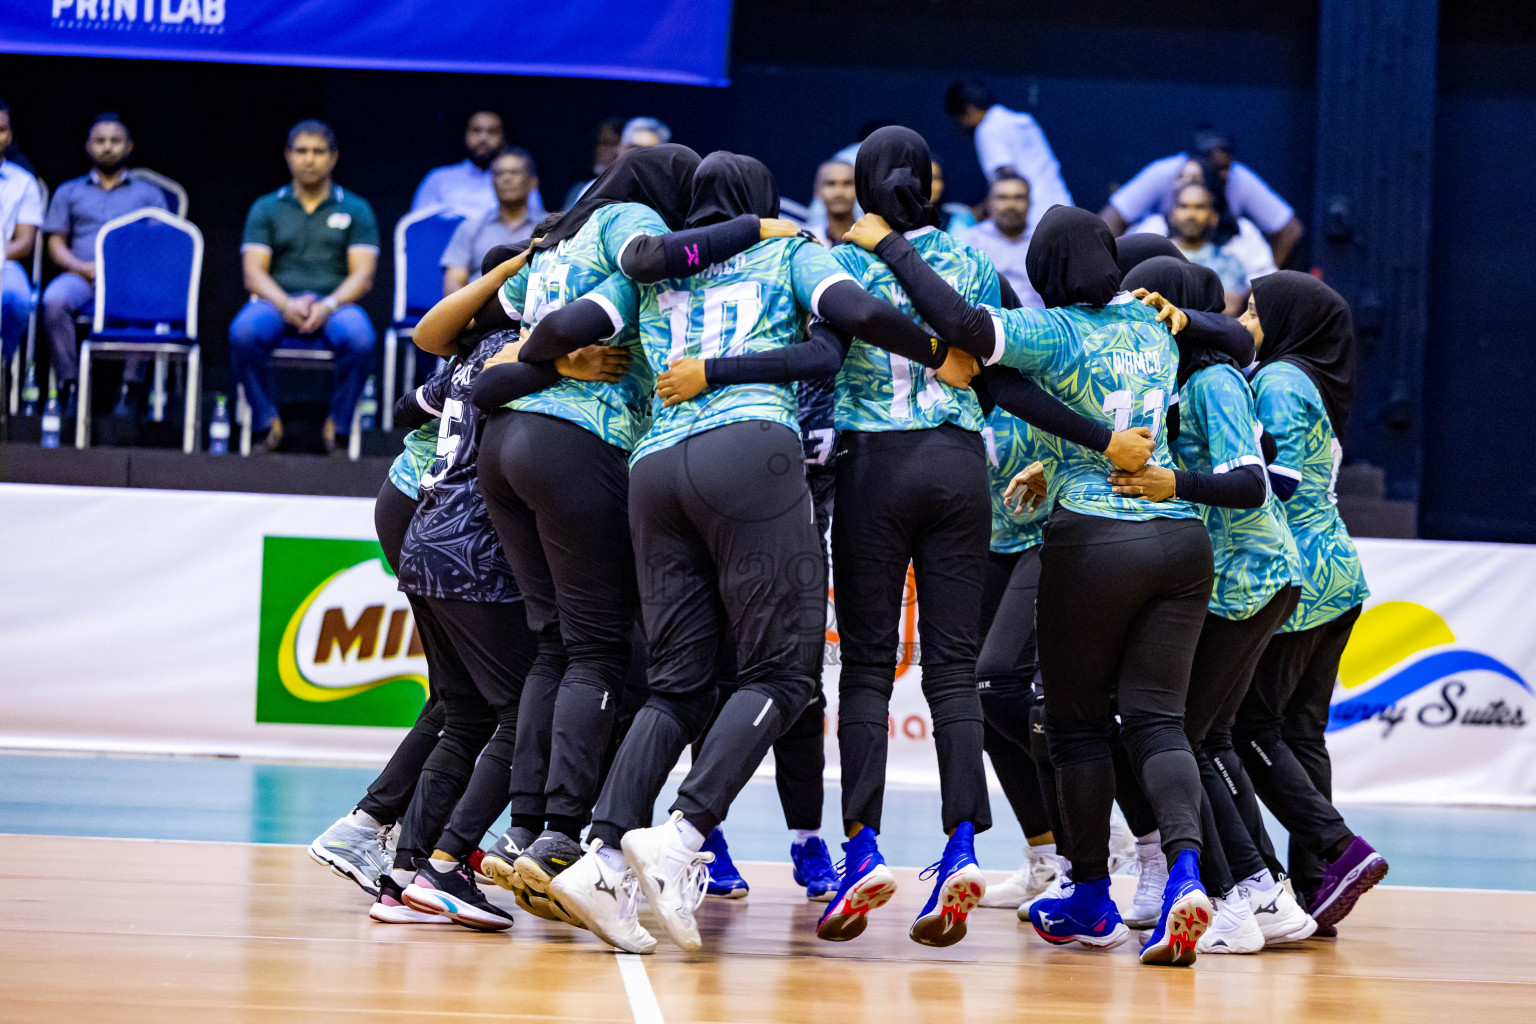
(193, 403)
(391, 344)
(83, 400)
(355, 438)
(157, 396)
(243, 417)
(15, 389)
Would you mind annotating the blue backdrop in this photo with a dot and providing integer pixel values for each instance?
(680, 41)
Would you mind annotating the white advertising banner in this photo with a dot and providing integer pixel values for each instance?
(268, 625)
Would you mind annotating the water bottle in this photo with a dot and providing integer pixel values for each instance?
(51, 418)
(218, 427)
(368, 405)
(29, 392)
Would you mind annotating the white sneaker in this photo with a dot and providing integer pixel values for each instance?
(673, 877)
(1278, 915)
(1147, 905)
(1059, 888)
(1233, 929)
(606, 901)
(1122, 843)
(1033, 878)
(353, 852)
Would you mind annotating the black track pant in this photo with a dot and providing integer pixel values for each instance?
(559, 496)
(1279, 736)
(725, 546)
(390, 794)
(1005, 672)
(1225, 660)
(918, 497)
(460, 796)
(800, 754)
(1120, 610)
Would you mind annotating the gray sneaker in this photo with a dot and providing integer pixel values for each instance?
(353, 852)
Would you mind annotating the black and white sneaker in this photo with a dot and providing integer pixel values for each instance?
(454, 895)
(498, 860)
(545, 858)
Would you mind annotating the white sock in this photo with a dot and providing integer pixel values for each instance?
(803, 835)
(1148, 844)
(362, 819)
(1264, 880)
(691, 837)
(405, 876)
(1042, 851)
(440, 865)
(613, 859)
(1235, 893)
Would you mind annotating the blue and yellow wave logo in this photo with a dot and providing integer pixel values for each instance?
(1398, 648)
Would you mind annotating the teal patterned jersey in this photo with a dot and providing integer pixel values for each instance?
(1012, 445)
(1306, 450)
(878, 391)
(1114, 364)
(409, 466)
(1219, 432)
(614, 412)
(756, 301)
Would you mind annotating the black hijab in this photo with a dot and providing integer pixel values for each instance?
(893, 176)
(1071, 259)
(728, 185)
(1188, 286)
(660, 177)
(1132, 250)
(1308, 323)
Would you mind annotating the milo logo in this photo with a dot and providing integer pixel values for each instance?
(338, 643)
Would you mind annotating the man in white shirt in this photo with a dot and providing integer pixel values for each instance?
(1009, 140)
(466, 186)
(21, 215)
(1005, 234)
(1247, 195)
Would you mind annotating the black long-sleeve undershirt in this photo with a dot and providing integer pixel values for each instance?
(963, 325)
(1242, 487)
(651, 258)
(506, 382)
(1016, 393)
(820, 355)
(1217, 331)
(409, 414)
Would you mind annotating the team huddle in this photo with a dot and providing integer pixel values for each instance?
(660, 421)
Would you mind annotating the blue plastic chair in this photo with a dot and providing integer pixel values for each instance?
(420, 239)
(175, 193)
(149, 267)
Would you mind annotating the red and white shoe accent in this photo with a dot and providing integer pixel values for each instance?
(945, 924)
(849, 917)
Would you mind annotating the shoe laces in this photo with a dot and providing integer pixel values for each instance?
(929, 871)
(629, 889)
(695, 881)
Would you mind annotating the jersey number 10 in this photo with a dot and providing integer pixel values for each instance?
(742, 301)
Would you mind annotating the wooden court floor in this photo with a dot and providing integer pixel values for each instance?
(137, 930)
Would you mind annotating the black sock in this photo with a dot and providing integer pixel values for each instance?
(570, 827)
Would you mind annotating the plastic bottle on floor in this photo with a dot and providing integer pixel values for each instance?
(51, 420)
(218, 427)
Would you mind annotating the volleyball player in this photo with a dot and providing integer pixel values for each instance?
(1303, 388)
(1123, 585)
(1005, 667)
(724, 537)
(1220, 467)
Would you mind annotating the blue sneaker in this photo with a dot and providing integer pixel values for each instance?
(1186, 915)
(867, 884)
(813, 869)
(1085, 915)
(725, 882)
(959, 888)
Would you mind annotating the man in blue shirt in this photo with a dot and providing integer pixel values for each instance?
(78, 210)
(309, 253)
(468, 185)
(21, 214)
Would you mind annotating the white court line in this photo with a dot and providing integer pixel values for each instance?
(637, 985)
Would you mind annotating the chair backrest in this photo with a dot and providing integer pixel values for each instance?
(149, 266)
(420, 239)
(175, 194)
(791, 210)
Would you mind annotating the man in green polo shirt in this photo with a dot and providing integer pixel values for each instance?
(309, 254)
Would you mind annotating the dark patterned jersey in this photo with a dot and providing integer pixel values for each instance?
(450, 549)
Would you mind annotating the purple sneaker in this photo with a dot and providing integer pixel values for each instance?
(1346, 880)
